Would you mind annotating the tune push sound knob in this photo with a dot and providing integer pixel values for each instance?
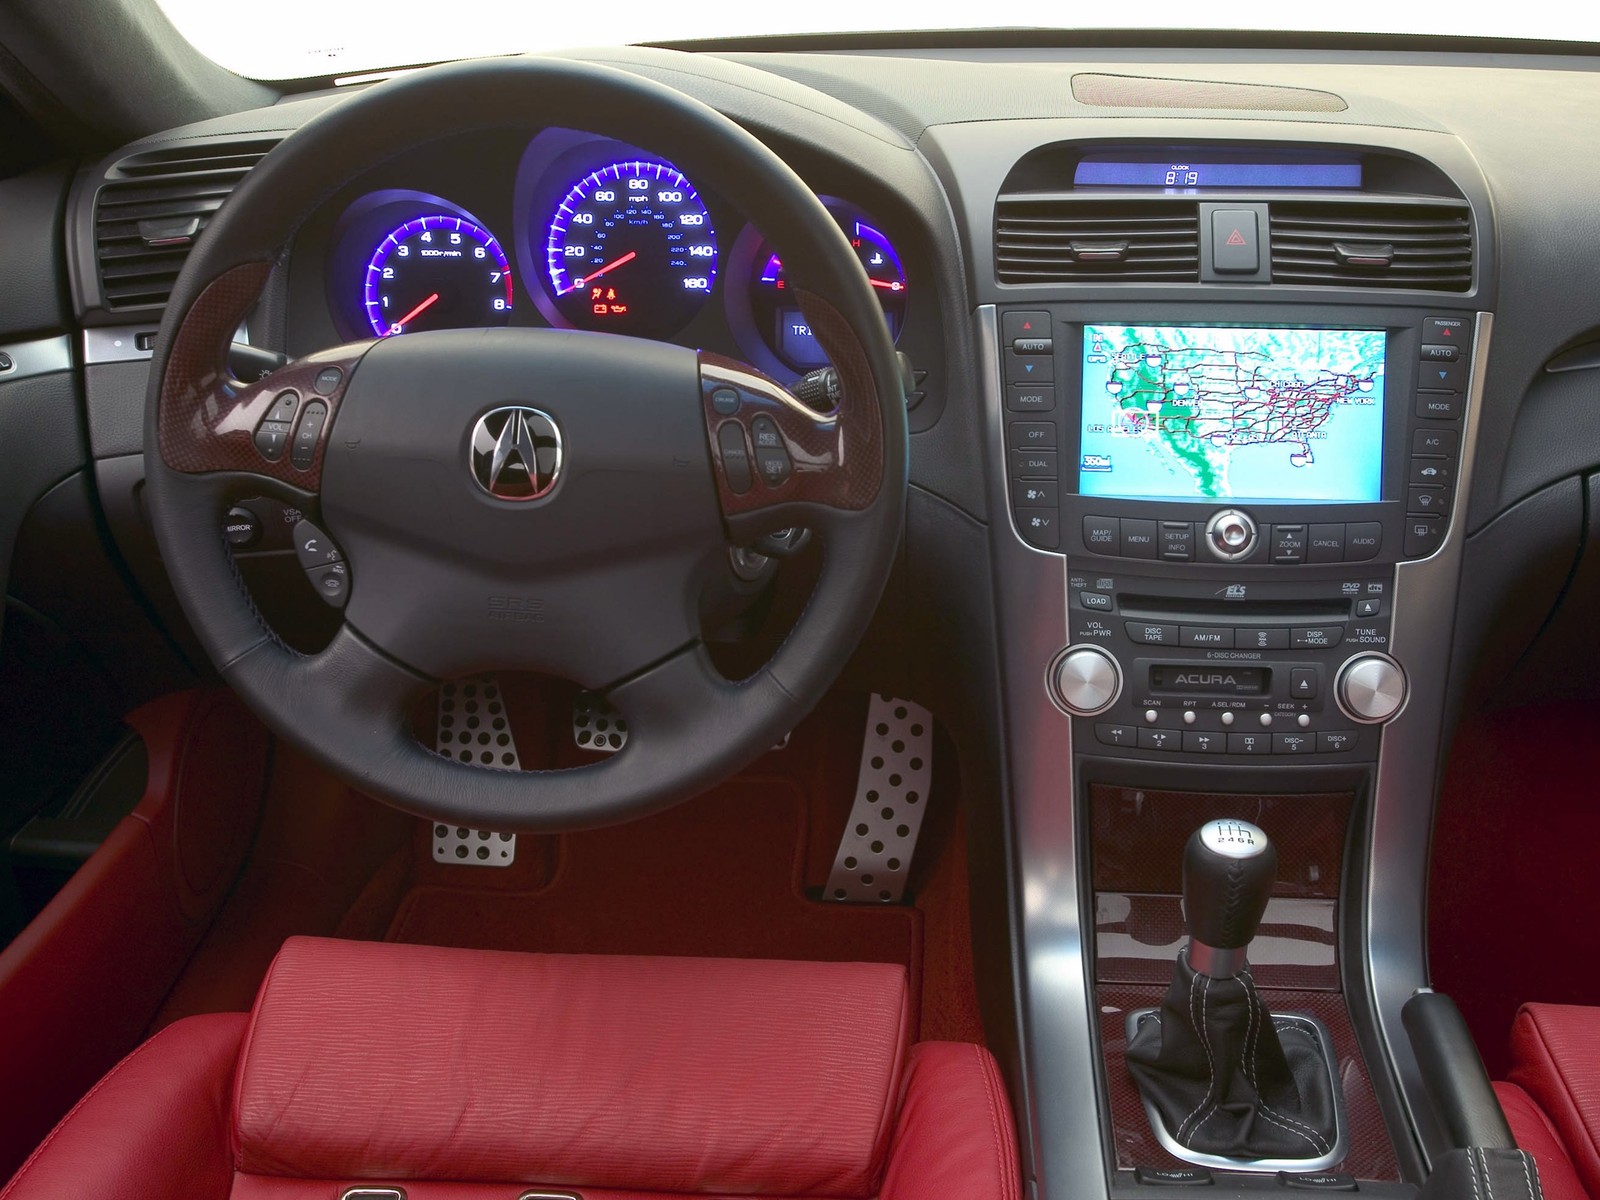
(1370, 688)
(1087, 680)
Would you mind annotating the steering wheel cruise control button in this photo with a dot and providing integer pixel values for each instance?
(735, 458)
(725, 402)
(772, 455)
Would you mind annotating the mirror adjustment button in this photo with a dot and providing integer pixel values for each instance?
(313, 547)
(735, 458)
(242, 527)
(308, 435)
(272, 439)
(332, 583)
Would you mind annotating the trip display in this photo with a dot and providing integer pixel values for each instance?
(775, 309)
(436, 272)
(1214, 413)
(630, 249)
(1202, 169)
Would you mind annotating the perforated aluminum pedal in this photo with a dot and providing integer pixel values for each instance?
(874, 858)
(596, 725)
(473, 728)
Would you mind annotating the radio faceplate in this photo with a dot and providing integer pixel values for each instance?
(1226, 664)
(1177, 403)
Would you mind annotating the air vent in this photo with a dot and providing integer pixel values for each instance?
(1057, 239)
(152, 207)
(1422, 247)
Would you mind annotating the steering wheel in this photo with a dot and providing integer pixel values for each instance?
(524, 499)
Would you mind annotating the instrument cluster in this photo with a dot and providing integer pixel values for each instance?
(603, 236)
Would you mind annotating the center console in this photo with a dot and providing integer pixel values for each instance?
(1226, 592)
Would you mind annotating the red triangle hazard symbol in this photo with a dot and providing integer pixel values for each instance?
(1236, 238)
(1027, 325)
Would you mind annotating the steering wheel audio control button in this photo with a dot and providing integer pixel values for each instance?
(306, 437)
(313, 547)
(332, 583)
(272, 439)
(735, 458)
(283, 408)
(328, 380)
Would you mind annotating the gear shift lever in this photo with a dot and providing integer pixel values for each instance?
(1229, 868)
(1224, 1081)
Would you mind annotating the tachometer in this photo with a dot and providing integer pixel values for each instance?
(436, 272)
(630, 249)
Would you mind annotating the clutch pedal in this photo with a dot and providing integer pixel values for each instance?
(473, 728)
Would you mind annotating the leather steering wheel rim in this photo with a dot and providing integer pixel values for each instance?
(347, 706)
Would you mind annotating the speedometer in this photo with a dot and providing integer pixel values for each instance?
(630, 249)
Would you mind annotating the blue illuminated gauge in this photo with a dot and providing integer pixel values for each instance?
(630, 249)
(436, 272)
(777, 314)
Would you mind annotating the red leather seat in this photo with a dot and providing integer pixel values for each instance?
(1552, 1098)
(460, 1074)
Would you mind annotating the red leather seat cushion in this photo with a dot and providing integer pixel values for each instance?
(1555, 1059)
(156, 1126)
(1538, 1137)
(367, 1060)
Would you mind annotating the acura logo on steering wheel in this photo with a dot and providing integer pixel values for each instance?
(516, 453)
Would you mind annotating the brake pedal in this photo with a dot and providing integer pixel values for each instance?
(473, 728)
(874, 858)
(596, 725)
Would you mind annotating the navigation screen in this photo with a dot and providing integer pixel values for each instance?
(1177, 412)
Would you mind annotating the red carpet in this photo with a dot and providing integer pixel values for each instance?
(1515, 885)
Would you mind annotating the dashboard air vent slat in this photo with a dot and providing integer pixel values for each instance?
(1045, 239)
(1425, 247)
(151, 209)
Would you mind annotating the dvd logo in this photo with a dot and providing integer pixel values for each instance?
(1096, 462)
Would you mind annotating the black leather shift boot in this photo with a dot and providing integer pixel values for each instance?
(1225, 1080)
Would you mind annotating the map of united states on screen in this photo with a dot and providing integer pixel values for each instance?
(1211, 413)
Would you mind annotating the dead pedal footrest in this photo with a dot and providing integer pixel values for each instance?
(874, 857)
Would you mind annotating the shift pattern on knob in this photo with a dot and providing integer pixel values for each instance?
(1087, 680)
(1229, 868)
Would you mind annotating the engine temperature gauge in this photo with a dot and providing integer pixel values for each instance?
(779, 318)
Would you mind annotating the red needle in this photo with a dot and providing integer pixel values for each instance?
(885, 284)
(610, 266)
(419, 309)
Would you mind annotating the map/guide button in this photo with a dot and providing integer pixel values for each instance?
(1103, 535)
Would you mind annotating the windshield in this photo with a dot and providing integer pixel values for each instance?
(309, 38)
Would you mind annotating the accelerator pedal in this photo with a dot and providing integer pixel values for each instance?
(874, 858)
(596, 725)
(473, 728)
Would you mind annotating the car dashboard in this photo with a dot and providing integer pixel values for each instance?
(1383, 265)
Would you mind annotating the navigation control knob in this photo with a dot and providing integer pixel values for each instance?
(1231, 534)
(1370, 688)
(1087, 680)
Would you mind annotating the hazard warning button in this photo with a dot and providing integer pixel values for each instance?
(1235, 242)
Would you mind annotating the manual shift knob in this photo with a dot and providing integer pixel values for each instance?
(1229, 868)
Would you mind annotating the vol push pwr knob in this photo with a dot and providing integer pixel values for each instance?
(1087, 680)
